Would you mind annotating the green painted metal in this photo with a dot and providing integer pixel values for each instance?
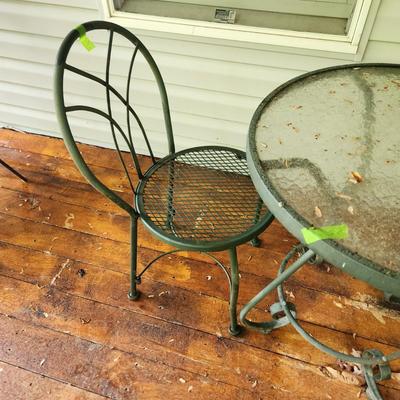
(187, 243)
(217, 262)
(287, 308)
(268, 326)
(369, 359)
(371, 378)
(342, 356)
(167, 232)
(383, 278)
(331, 251)
(234, 328)
(133, 292)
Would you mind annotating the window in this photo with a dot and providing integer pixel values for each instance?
(340, 26)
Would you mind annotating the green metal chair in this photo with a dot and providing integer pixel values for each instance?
(199, 199)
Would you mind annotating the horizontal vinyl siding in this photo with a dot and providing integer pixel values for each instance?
(213, 88)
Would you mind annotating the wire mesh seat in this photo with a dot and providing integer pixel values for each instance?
(199, 199)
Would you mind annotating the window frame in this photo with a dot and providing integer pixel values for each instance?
(350, 46)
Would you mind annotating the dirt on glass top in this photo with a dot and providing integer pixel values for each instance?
(329, 145)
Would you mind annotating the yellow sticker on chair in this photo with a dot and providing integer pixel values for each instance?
(86, 42)
(312, 235)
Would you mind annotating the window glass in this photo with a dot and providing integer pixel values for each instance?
(320, 16)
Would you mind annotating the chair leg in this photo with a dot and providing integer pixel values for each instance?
(11, 169)
(133, 292)
(255, 242)
(234, 328)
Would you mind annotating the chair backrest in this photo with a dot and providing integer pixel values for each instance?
(118, 133)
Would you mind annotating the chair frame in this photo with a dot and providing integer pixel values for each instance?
(61, 109)
(12, 170)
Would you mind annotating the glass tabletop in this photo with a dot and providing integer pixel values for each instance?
(328, 149)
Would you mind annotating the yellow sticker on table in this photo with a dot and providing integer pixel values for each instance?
(312, 235)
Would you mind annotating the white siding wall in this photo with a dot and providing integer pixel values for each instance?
(213, 88)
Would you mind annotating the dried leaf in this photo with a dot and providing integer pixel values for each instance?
(343, 376)
(396, 376)
(356, 353)
(64, 265)
(340, 305)
(68, 220)
(33, 202)
(290, 294)
(181, 380)
(343, 196)
(356, 176)
(350, 209)
(317, 212)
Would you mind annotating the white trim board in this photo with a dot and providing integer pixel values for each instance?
(348, 47)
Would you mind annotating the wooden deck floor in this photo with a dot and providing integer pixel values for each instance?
(68, 331)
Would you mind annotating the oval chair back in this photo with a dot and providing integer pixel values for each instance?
(117, 131)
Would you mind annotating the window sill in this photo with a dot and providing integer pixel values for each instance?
(350, 47)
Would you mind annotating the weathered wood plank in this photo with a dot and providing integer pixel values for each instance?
(61, 168)
(72, 216)
(58, 189)
(344, 315)
(169, 303)
(54, 147)
(109, 225)
(335, 281)
(99, 369)
(190, 350)
(20, 384)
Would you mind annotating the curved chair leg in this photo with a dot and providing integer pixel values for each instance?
(234, 328)
(133, 292)
(11, 169)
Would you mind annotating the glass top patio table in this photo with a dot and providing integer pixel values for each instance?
(324, 149)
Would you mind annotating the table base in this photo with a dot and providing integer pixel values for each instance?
(369, 360)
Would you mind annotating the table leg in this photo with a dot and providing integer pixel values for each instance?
(384, 372)
(370, 358)
(267, 326)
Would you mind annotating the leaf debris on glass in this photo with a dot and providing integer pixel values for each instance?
(317, 212)
(355, 177)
